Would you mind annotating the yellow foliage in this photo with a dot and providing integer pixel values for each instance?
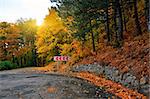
(50, 35)
(66, 48)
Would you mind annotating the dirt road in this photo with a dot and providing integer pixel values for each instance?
(21, 84)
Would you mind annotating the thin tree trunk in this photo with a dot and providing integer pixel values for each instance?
(93, 42)
(33, 57)
(36, 56)
(146, 10)
(115, 23)
(42, 61)
(149, 16)
(12, 59)
(124, 17)
(125, 26)
(92, 36)
(124, 20)
(25, 62)
(17, 61)
(107, 26)
(21, 61)
(137, 23)
(120, 20)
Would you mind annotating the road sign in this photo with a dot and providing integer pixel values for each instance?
(61, 58)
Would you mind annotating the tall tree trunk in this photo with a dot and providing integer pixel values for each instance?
(17, 61)
(120, 20)
(25, 61)
(93, 41)
(115, 23)
(124, 16)
(42, 60)
(107, 25)
(149, 16)
(118, 24)
(34, 57)
(137, 22)
(21, 61)
(146, 10)
(124, 21)
(92, 36)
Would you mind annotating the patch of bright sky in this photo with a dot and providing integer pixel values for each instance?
(12, 10)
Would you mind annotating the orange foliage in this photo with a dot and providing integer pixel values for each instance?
(51, 89)
(110, 86)
(133, 56)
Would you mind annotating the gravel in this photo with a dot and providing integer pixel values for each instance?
(20, 85)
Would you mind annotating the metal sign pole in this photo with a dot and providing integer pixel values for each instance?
(58, 63)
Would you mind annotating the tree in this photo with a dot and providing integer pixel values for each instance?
(28, 31)
(149, 17)
(118, 23)
(107, 23)
(86, 15)
(137, 23)
(148, 13)
(9, 40)
(124, 15)
(51, 36)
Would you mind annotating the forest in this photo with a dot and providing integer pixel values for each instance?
(74, 28)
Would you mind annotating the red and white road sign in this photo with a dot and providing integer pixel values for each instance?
(61, 58)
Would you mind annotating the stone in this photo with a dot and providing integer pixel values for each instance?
(126, 79)
(116, 73)
(135, 84)
(126, 75)
(113, 78)
(118, 78)
(145, 89)
(101, 70)
(129, 81)
(143, 81)
(107, 70)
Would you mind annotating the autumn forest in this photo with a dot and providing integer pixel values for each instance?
(75, 28)
(106, 42)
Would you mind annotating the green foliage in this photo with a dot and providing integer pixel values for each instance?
(83, 18)
(6, 65)
(17, 42)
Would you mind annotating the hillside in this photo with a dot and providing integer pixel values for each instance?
(132, 57)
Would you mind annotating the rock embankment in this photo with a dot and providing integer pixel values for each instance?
(127, 79)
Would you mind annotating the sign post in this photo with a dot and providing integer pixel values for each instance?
(58, 59)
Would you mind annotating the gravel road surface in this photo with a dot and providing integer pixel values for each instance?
(17, 84)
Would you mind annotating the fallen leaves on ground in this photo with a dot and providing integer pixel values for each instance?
(110, 86)
(51, 89)
(47, 68)
(133, 56)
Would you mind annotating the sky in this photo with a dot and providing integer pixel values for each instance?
(12, 10)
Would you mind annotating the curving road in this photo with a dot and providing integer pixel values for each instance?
(20, 85)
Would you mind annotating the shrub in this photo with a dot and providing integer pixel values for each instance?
(6, 65)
